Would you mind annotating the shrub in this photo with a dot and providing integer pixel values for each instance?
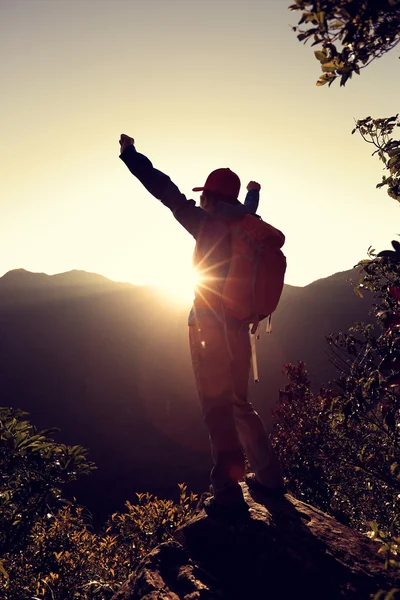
(340, 448)
(49, 548)
(64, 558)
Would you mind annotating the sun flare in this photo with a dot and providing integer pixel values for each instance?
(180, 285)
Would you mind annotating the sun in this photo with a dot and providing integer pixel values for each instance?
(176, 278)
(179, 284)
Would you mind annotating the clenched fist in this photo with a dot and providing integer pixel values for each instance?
(125, 141)
(253, 185)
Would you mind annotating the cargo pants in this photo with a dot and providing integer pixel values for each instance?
(221, 364)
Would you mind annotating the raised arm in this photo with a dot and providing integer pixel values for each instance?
(252, 197)
(190, 216)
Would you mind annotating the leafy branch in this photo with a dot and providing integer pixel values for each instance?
(378, 132)
(351, 33)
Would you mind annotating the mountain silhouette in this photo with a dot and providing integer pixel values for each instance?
(108, 364)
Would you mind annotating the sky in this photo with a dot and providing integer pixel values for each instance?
(199, 85)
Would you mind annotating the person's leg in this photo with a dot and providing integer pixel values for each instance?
(252, 433)
(212, 369)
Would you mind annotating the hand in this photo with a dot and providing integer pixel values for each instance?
(253, 185)
(125, 141)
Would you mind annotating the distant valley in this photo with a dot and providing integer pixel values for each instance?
(108, 364)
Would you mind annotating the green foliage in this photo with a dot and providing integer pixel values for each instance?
(65, 558)
(389, 544)
(393, 594)
(378, 133)
(49, 550)
(151, 521)
(33, 469)
(301, 431)
(340, 448)
(350, 33)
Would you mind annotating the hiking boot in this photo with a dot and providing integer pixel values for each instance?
(226, 512)
(253, 484)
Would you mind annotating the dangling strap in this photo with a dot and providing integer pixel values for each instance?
(255, 326)
(268, 328)
(253, 338)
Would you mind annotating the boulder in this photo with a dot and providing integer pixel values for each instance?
(168, 573)
(285, 549)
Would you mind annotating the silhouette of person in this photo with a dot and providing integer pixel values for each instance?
(219, 344)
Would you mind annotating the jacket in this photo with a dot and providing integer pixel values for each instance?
(209, 229)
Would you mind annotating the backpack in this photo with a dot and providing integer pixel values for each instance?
(254, 283)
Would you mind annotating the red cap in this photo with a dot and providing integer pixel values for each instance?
(223, 181)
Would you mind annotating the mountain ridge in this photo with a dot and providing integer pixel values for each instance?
(81, 276)
(110, 366)
(21, 277)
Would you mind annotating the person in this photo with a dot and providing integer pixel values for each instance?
(219, 344)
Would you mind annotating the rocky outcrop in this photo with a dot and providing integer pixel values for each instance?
(285, 549)
(168, 573)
